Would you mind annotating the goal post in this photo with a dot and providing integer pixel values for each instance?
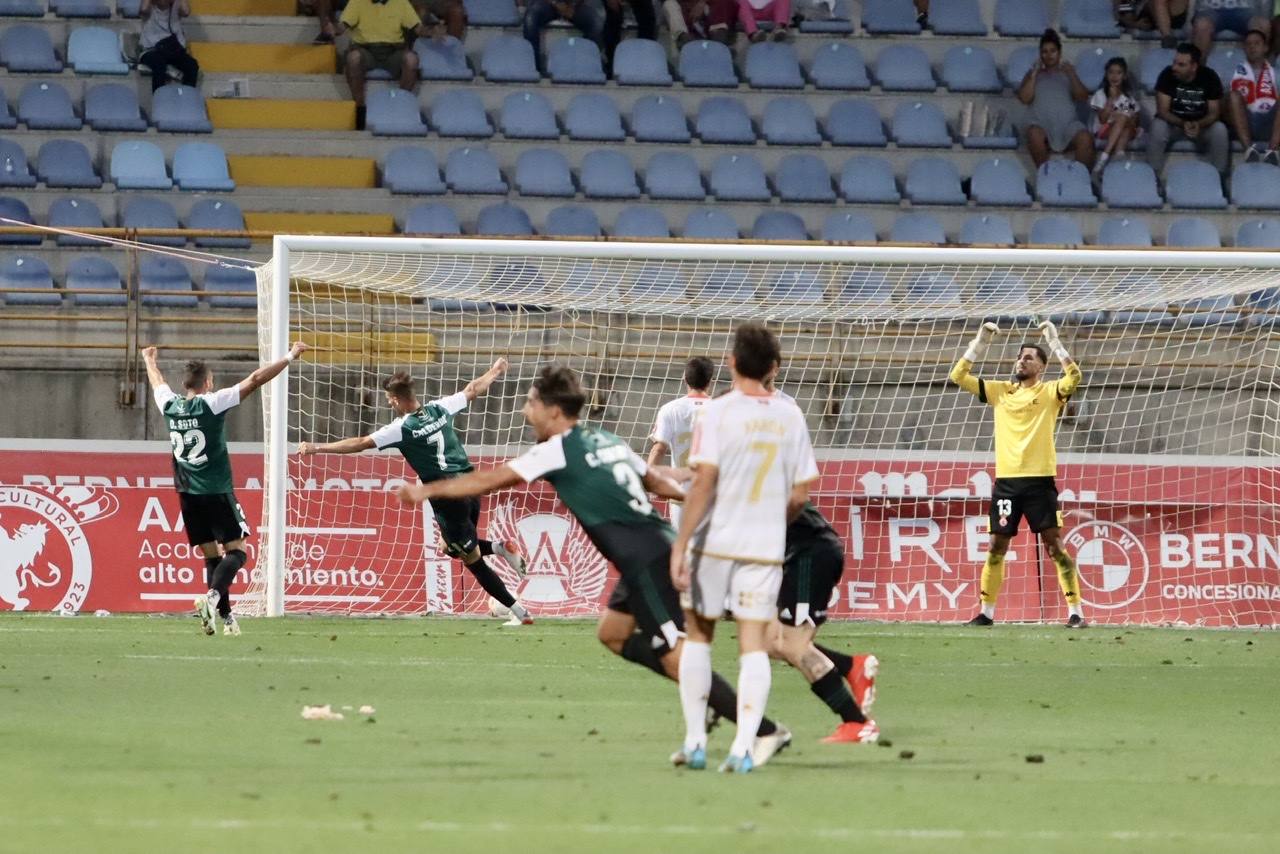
(1166, 456)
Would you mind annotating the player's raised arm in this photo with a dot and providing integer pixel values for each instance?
(154, 377)
(270, 371)
(480, 384)
(1073, 375)
(474, 484)
(977, 349)
(353, 445)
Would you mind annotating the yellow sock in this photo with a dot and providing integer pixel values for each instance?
(1068, 578)
(992, 578)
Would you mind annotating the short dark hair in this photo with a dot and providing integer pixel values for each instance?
(1188, 49)
(1044, 357)
(195, 374)
(698, 373)
(755, 350)
(399, 384)
(1050, 36)
(557, 385)
(1256, 32)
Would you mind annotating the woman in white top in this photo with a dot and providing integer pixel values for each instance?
(1115, 111)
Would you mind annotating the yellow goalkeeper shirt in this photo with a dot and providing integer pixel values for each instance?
(1025, 418)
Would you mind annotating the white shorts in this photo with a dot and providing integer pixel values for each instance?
(720, 585)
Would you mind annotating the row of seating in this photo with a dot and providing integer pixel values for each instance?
(76, 213)
(69, 8)
(162, 281)
(107, 107)
(135, 165)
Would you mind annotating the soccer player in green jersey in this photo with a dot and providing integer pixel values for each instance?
(202, 473)
(424, 434)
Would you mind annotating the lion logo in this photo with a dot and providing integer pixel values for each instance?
(18, 553)
(39, 527)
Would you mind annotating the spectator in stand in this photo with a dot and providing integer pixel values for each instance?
(1188, 106)
(1164, 16)
(539, 13)
(1051, 89)
(164, 44)
(1115, 112)
(1252, 102)
(451, 12)
(646, 26)
(922, 12)
(378, 40)
(692, 20)
(1239, 16)
(751, 12)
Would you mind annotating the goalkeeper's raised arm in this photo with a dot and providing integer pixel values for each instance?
(977, 349)
(1072, 374)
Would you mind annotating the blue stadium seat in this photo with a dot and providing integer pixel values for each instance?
(473, 170)
(790, 121)
(27, 49)
(503, 220)
(641, 222)
(1193, 232)
(492, 13)
(572, 221)
(80, 8)
(1193, 184)
(1130, 184)
(778, 225)
(1064, 183)
(773, 65)
(889, 17)
(1091, 66)
(641, 62)
(96, 50)
(934, 181)
(75, 214)
(904, 68)
(28, 271)
(1209, 311)
(508, 59)
(935, 291)
(659, 118)
(409, 169)
(431, 218)
(528, 115)
(724, 120)
(869, 290)
(798, 285)
(94, 273)
(608, 174)
(917, 124)
(22, 8)
(1020, 61)
(917, 228)
(710, 224)
(144, 212)
(128, 8)
(855, 122)
(442, 60)
(180, 109)
(655, 282)
(202, 166)
(1258, 234)
(1056, 229)
(1124, 231)
(7, 119)
(1256, 186)
(998, 134)
(707, 63)
(1026, 18)
(848, 228)
(728, 285)
(113, 107)
(1155, 60)
(394, 112)
(165, 274)
(839, 23)
(17, 210)
(218, 215)
(1223, 59)
(231, 287)
(543, 172)
(999, 181)
(673, 175)
(456, 112)
(66, 163)
(956, 18)
(990, 229)
(594, 116)
(839, 65)
(804, 178)
(738, 178)
(1089, 19)
(47, 106)
(14, 172)
(970, 69)
(575, 60)
(869, 179)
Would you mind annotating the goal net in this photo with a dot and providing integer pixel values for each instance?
(1166, 455)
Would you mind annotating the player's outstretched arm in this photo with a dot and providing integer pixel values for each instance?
(657, 452)
(680, 474)
(1073, 375)
(977, 349)
(268, 372)
(476, 483)
(656, 481)
(696, 505)
(480, 384)
(154, 377)
(354, 445)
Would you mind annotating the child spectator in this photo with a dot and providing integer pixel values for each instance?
(1115, 111)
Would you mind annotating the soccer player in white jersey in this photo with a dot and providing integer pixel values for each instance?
(752, 463)
(673, 431)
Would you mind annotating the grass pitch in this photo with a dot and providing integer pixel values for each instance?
(140, 734)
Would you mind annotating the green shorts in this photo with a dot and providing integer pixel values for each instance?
(389, 57)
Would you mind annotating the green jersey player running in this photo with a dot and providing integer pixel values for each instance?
(202, 473)
(424, 434)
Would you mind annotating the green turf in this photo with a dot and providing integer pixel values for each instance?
(140, 734)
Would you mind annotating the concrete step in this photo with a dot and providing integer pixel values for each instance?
(265, 58)
(281, 8)
(282, 114)
(291, 171)
(294, 222)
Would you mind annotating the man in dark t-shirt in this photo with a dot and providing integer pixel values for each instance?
(1189, 106)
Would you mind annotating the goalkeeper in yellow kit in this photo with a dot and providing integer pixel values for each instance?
(1026, 411)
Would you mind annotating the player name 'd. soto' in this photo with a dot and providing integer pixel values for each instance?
(607, 456)
(183, 423)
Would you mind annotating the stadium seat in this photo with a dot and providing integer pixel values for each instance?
(641, 222)
(970, 69)
(917, 228)
(659, 118)
(641, 62)
(75, 214)
(853, 121)
(1057, 229)
(1256, 186)
(839, 23)
(165, 274)
(655, 282)
(1020, 61)
(27, 272)
(1209, 311)
(839, 65)
(1024, 18)
(848, 228)
(707, 63)
(804, 178)
(738, 178)
(508, 59)
(956, 18)
(431, 218)
(710, 224)
(22, 8)
(7, 119)
(593, 116)
(27, 49)
(528, 115)
(904, 68)
(492, 13)
(869, 290)
(728, 285)
(80, 8)
(575, 60)
(95, 50)
(230, 287)
(128, 8)
(93, 273)
(1091, 65)
(1153, 61)
(790, 121)
(543, 172)
(152, 213)
(180, 109)
(1124, 231)
(997, 133)
(773, 65)
(17, 210)
(934, 181)
(1193, 232)
(409, 169)
(1130, 184)
(456, 112)
(778, 225)
(202, 166)
(673, 175)
(1193, 184)
(1000, 289)
(442, 60)
(503, 220)
(113, 107)
(1089, 19)
(608, 175)
(1223, 59)
(889, 17)
(999, 181)
(15, 171)
(724, 120)
(991, 229)
(1258, 234)
(217, 215)
(572, 221)
(393, 112)
(917, 124)
(1064, 183)
(66, 163)
(798, 285)
(934, 292)
(47, 106)
(473, 170)
(868, 179)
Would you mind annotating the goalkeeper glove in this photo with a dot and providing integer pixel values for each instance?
(978, 346)
(1050, 333)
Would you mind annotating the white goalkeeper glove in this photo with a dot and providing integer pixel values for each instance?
(978, 346)
(1050, 333)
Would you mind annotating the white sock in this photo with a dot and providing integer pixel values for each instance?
(754, 679)
(1075, 611)
(519, 611)
(988, 611)
(695, 687)
(213, 597)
